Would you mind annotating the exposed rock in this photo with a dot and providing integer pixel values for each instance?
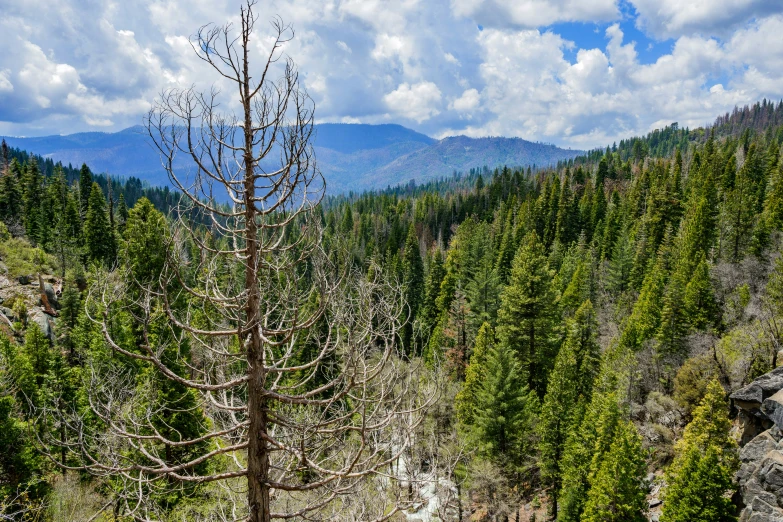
(9, 314)
(750, 399)
(23, 280)
(760, 476)
(43, 321)
(773, 408)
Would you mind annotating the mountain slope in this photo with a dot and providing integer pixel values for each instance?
(351, 156)
(460, 153)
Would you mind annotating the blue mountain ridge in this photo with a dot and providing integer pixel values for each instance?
(351, 156)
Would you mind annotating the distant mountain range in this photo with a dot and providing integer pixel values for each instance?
(351, 156)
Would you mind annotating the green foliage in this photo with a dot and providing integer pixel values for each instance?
(584, 452)
(475, 374)
(98, 234)
(505, 412)
(21, 258)
(568, 392)
(617, 493)
(700, 478)
(527, 321)
(413, 270)
(144, 245)
(700, 306)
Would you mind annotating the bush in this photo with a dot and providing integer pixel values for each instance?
(690, 383)
(21, 258)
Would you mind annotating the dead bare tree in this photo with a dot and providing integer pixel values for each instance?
(299, 437)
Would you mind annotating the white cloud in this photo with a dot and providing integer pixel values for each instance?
(674, 18)
(417, 102)
(469, 100)
(85, 64)
(533, 91)
(5, 81)
(535, 13)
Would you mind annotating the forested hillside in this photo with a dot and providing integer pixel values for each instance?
(569, 337)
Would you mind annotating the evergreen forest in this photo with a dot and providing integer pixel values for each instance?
(502, 345)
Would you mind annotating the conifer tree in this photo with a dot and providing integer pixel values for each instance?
(505, 413)
(435, 274)
(696, 236)
(773, 206)
(567, 216)
(413, 269)
(598, 207)
(701, 309)
(98, 234)
(32, 197)
(11, 193)
(85, 187)
(506, 251)
(578, 289)
(584, 450)
(645, 318)
(616, 491)
(700, 478)
(674, 326)
(483, 291)
(528, 317)
(475, 374)
(568, 394)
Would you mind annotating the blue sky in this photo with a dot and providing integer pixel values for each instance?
(578, 73)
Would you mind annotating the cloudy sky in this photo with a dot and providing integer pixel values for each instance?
(577, 73)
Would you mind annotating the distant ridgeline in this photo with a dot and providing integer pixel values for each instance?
(765, 117)
(131, 188)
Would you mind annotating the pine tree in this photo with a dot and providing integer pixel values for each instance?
(33, 200)
(429, 308)
(528, 315)
(674, 325)
(506, 251)
(584, 450)
(578, 289)
(645, 318)
(483, 291)
(598, 208)
(568, 393)
(505, 413)
(85, 187)
(616, 491)
(11, 194)
(706, 459)
(475, 375)
(413, 270)
(98, 234)
(618, 273)
(701, 309)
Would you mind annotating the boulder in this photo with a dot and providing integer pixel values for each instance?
(760, 476)
(51, 295)
(751, 397)
(43, 321)
(9, 314)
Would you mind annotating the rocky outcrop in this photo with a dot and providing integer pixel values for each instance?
(760, 476)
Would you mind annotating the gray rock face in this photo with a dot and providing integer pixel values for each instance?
(43, 321)
(760, 476)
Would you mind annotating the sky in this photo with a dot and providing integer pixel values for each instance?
(576, 73)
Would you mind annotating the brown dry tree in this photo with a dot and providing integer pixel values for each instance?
(285, 359)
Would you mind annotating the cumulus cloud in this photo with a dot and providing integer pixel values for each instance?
(675, 18)
(469, 100)
(533, 91)
(417, 102)
(535, 13)
(91, 64)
